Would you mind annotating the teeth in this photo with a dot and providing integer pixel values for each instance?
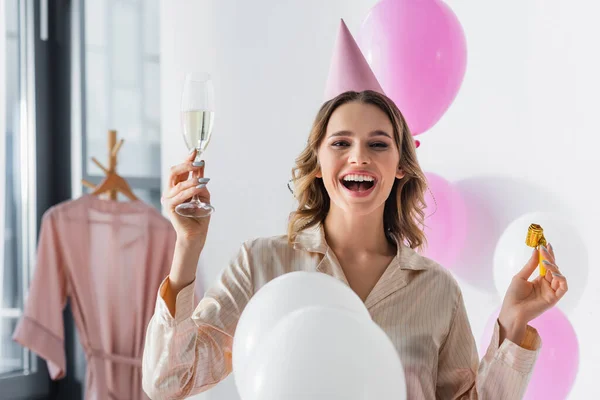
(358, 178)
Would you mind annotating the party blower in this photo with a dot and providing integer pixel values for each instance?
(535, 238)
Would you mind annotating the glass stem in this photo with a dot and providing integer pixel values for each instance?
(198, 158)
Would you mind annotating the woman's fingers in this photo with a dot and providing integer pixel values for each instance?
(192, 154)
(181, 186)
(547, 254)
(186, 194)
(555, 280)
(186, 187)
(551, 251)
(550, 267)
(530, 266)
(559, 284)
(181, 172)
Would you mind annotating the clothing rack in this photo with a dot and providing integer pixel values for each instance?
(113, 183)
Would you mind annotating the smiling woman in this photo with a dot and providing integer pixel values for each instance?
(356, 136)
(364, 236)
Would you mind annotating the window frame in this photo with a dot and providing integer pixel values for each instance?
(32, 382)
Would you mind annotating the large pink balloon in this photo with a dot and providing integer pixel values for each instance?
(556, 367)
(445, 221)
(417, 50)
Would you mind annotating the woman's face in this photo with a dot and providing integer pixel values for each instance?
(359, 158)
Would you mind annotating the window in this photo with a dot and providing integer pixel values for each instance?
(114, 62)
(19, 373)
(11, 356)
(121, 91)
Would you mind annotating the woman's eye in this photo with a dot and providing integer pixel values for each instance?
(340, 144)
(377, 145)
(380, 145)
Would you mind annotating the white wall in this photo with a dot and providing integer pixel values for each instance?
(530, 95)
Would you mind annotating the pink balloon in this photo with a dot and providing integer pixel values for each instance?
(557, 364)
(445, 221)
(417, 50)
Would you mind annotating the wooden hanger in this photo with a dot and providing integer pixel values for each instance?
(113, 183)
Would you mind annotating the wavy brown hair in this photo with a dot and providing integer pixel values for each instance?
(403, 213)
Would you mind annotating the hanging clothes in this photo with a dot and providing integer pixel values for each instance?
(108, 258)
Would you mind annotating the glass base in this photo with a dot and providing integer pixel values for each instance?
(194, 209)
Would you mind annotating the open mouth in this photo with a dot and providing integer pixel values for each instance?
(358, 186)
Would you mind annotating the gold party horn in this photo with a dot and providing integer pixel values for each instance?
(535, 238)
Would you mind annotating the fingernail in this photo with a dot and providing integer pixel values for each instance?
(557, 274)
(546, 262)
(203, 180)
(550, 246)
(198, 163)
(543, 248)
(200, 186)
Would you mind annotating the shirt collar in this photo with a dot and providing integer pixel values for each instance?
(312, 239)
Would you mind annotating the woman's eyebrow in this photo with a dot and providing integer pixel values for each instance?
(380, 133)
(350, 133)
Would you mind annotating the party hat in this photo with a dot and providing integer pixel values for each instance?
(349, 69)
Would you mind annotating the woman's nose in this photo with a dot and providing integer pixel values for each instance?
(359, 156)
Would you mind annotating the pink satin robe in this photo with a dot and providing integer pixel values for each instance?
(108, 258)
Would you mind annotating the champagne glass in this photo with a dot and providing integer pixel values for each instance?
(197, 115)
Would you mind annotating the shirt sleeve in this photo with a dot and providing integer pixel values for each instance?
(41, 327)
(503, 373)
(190, 352)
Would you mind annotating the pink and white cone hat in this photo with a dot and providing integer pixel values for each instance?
(349, 69)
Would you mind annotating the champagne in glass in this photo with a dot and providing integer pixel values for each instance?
(197, 115)
(197, 128)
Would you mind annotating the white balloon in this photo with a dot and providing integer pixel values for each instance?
(325, 353)
(512, 253)
(278, 298)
